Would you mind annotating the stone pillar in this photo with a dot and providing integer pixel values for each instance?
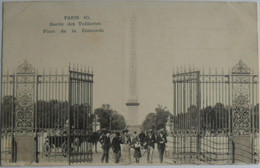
(24, 113)
(241, 114)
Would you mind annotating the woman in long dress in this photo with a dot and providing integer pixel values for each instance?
(126, 156)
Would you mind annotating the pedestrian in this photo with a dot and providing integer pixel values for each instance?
(149, 141)
(106, 144)
(136, 144)
(161, 141)
(142, 137)
(116, 147)
(126, 148)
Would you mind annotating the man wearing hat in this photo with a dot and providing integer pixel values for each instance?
(161, 141)
(116, 147)
(149, 143)
(106, 144)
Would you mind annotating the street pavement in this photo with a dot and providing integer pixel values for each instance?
(143, 160)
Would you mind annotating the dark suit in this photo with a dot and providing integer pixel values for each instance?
(161, 140)
(150, 140)
(105, 141)
(117, 148)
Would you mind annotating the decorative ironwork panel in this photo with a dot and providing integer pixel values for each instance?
(240, 106)
(25, 85)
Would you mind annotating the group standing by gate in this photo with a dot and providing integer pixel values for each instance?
(121, 145)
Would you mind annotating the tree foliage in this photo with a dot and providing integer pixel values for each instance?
(50, 114)
(156, 120)
(6, 111)
(107, 116)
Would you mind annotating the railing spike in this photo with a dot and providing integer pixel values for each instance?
(85, 68)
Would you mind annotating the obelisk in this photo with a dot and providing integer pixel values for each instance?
(132, 102)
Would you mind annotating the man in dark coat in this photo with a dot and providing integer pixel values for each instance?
(149, 142)
(116, 147)
(161, 141)
(142, 137)
(106, 144)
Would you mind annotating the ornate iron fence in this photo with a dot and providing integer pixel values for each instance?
(215, 117)
(55, 110)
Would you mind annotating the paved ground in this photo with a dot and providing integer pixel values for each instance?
(143, 160)
(59, 160)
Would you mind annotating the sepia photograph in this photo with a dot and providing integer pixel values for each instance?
(129, 83)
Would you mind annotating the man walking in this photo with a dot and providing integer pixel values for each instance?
(105, 141)
(116, 147)
(161, 141)
(149, 142)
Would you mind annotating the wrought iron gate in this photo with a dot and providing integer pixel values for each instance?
(80, 100)
(215, 117)
(50, 111)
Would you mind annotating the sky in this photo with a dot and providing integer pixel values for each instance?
(168, 35)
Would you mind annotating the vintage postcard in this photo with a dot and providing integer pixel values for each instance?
(129, 83)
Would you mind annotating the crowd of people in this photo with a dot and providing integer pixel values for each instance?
(122, 142)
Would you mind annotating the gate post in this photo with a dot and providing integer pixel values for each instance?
(69, 110)
(36, 119)
(231, 150)
(199, 116)
(241, 113)
(12, 123)
(24, 113)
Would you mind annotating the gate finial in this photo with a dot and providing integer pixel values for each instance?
(25, 67)
(241, 68)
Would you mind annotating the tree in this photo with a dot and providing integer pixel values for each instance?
(54, 114)
(215, 117)
(149, 122)
(158, 119)
(107, 116)
(7, 108)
